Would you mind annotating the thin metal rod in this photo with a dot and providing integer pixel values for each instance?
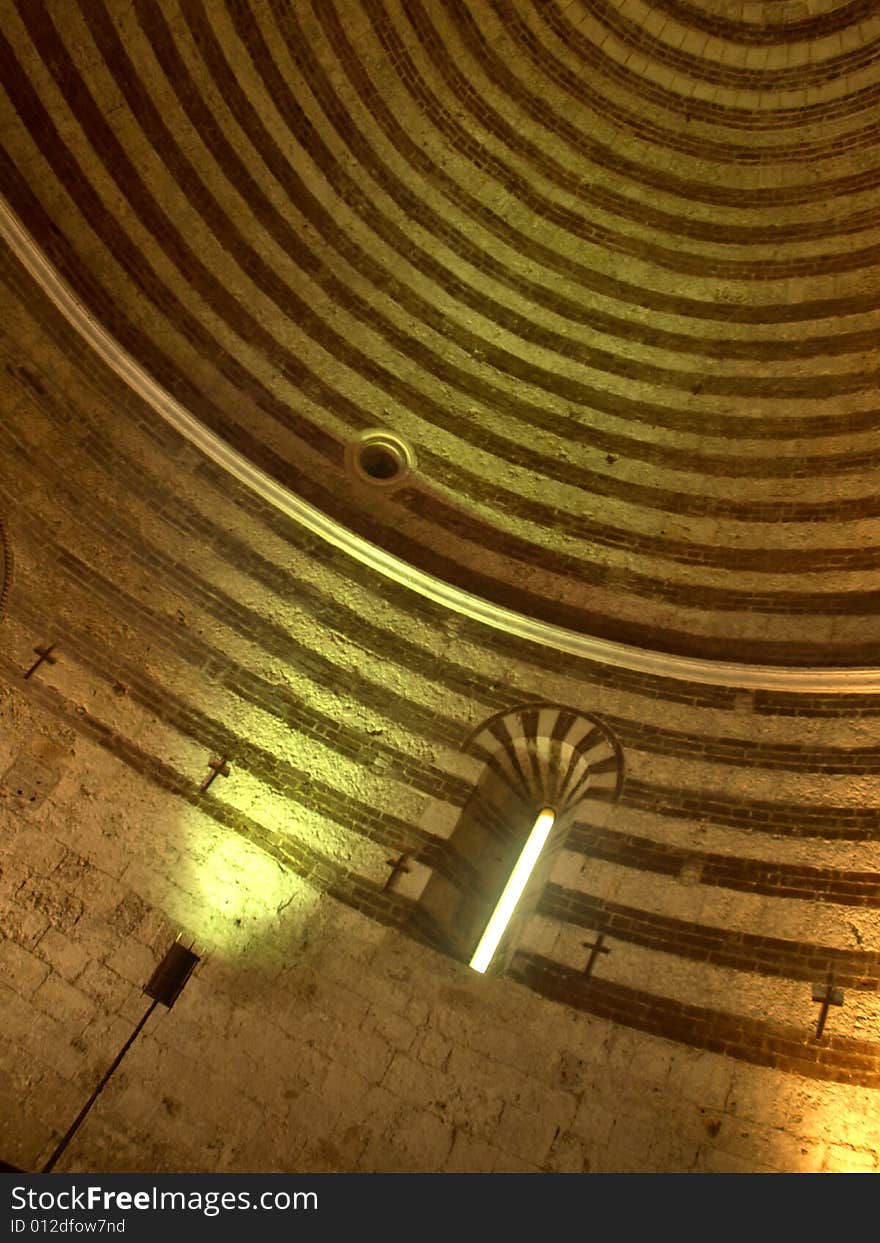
(80, 1118)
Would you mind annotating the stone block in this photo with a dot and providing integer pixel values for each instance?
(704, 1078)
(41, 852)
(424, 1139)
(524, 1135)
(63, 954)
(382, 1155)
(470, 1155)
(95, 936)
(396, 1030)
(718, 1161)
(506, 1163)
(52, 899)
(24, 1134)
(349, 1140)
(129, 913)
(343, 1088)
(134, 962)
(312, 1115)
(770, 1146)
(566, 1156)
(434, 1050)
(104, 1035)
(64, 1003)
(22, 970)
(840, 1159)
(414, 1082)
(108, 989)
(28, 782)
(594, 1121)
(440, 819)
(568, 868)
(363, 1051)
(22, 924)
(411, 883)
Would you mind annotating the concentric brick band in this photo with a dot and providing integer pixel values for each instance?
(644, 393)
(610, 269)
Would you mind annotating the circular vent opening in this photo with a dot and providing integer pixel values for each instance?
(381, 458)
(379, 462)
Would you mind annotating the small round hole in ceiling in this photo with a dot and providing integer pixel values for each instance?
(380, 458)
(379, 462)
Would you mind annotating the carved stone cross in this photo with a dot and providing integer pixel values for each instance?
(827, 996)
(398, 868)
(219, 767)
(596, 948)
(45, 656)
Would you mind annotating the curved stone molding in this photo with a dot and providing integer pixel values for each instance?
(814, 680)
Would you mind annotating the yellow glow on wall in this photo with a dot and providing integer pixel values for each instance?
(513, 890)
(232, 897)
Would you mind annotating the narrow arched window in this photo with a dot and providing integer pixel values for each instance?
(540, 764)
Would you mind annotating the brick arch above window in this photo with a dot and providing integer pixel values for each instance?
(551, 755)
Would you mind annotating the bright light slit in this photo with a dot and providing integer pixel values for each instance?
(513, 890)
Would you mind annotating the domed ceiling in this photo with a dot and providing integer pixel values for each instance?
(609, 268)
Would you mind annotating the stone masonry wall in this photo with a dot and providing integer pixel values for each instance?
(309, 1037)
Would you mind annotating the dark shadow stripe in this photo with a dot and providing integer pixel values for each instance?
(745, 752)
(776, 880)
(462, 141)
(740, 951)
(768, 30)
(829, 69)
(642, 126)
(820, 820)
(709, 112)
(780, 703)
(840, 1059)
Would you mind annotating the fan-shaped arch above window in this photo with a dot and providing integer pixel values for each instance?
(551, 755)
(535, 758)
